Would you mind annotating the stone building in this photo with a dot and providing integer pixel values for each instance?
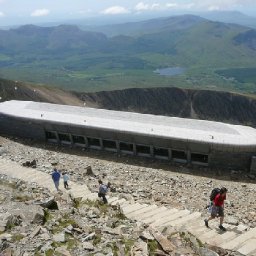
(187, 141)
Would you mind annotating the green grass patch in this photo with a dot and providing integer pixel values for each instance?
(17, 237)
(104, 208)
(22, 198)
(152, 247)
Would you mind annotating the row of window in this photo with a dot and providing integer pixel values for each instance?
(126, 147)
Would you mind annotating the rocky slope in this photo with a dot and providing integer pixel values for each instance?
(14, 90)
(30, 226)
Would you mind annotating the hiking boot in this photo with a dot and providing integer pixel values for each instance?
(222, 228)
(206, 223)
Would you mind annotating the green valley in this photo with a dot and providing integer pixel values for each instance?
(73, 59)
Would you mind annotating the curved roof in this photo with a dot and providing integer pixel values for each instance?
(154, 125)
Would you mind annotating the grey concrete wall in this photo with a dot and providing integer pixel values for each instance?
(228, 160)
(21, 128)
(35, 129)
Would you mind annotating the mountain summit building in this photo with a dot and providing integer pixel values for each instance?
(190, 141)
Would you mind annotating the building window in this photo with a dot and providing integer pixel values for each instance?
(78, 140)
(199, 158)
(143, 150)
(51, 136)
(162, 153)
(109, 145)
(179, 156)
(64, 138)
(93, 142)
(126, 147)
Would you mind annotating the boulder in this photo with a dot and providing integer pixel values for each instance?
(28, 213)
(48, 203)
(31, 164)
(60, 237)
(88, 246)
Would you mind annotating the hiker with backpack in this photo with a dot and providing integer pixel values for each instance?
(103, 189)
(218, 196)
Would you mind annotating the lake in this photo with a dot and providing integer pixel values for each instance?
(170, 71)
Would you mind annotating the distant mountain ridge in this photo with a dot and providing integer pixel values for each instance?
(156, 25)
(92, 61)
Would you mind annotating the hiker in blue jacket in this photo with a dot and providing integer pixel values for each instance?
(103, 189)
(56, 178)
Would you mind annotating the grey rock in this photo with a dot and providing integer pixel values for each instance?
(88, 246)
(140, 248)
(27, 213)
(60, 237)
(35, 232)
(62, 251)
(207, 252)
(89, 237)
(147, 236)
(232, 220)
(111, 231)
(47, 246)
(30, 163)
(9, 220)
(48, 203)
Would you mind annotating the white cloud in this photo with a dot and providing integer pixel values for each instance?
(222, 4)
(40, 12)
(171, 5)
(155, 6)
(141, 6)
(213, 8)
(2, 14)
(115, 10)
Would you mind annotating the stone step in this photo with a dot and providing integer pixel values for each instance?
(207, 236)
(133, 207)
(221, 238)
(79, 194)
(16, 172)
(119, 201)
(158, 210)
(182, 220)
(79, 191)
(248, 247)
(159, 216)
(112, 199)
(164, 222)
(35, 178)
(137, 213)
(5, 166)
(239, 241)
(92, 197)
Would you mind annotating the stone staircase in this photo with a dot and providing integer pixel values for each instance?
(236, 238)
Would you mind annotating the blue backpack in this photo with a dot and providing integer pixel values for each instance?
(103, 189)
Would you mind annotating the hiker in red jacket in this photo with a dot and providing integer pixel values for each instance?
(218, 208)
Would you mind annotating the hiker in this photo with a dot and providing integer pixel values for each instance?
(65, 179)
(217, 209)
(103, 189)
(56, 178)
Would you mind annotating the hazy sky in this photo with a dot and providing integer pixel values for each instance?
(15, 11)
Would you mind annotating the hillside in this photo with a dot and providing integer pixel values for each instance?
(187, 103)
(10, 90)
(128, 54)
